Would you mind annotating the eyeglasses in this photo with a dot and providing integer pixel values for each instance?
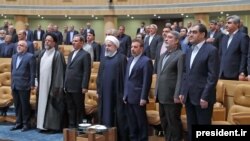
(193, 32)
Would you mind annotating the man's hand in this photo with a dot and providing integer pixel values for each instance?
(84, 91)
(143, 102)
(181, 97)
(203, 103)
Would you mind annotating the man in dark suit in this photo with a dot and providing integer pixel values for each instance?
(70, 34)
(141, 29)
(87, 30)
(22, 36)
(77, 81)
(151, 42)
(38, 33)
(29, 33)
(199, 79)
(243, 28)
(125, 41)
(168, 84)
(214, 35)
(96, 46)
(6, 48)
(138, 80)
(161, 48)
(233, 51)
(58, 34)
(22, 81)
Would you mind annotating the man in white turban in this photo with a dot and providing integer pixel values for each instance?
(112, 50)
(110, 88)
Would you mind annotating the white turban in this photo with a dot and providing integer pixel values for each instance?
(113, 39)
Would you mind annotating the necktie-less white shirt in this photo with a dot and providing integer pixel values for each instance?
(196, 49)
(134, 62)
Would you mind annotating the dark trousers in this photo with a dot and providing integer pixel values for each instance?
(138, 123)
(197, 116)
(75, 108)
(170, 115)
(22, 106)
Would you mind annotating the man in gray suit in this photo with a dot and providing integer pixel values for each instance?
(77, 81)
(169, 73)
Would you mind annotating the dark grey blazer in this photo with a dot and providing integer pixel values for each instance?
(169, 77)
(78, 72)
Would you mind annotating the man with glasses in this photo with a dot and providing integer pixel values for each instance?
(199, 79)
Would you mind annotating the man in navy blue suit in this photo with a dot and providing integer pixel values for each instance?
(22, 81)
(233, 51)
(138, 80)
(199, 79)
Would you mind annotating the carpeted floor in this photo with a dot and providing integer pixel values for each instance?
(31, 135)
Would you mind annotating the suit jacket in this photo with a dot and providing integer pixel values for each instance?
(125, 44)
(23, 75)
(217, 38)
(139, 29)
(138, 83)
(169, 77)
(157, 56)
(199, 81)
(41, 35)
(234, 57)
(59, 37)
(78, 71)
(68, 37)
(150, 49)
(31, 48)
(97, 51)
(6, 50)
(29, 35)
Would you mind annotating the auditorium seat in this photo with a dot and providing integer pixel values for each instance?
(239, 113)
(95, 67)
(91, 99)
(6, 99)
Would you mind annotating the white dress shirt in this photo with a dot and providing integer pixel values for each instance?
(196, 49)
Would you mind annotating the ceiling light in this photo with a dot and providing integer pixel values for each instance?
(221, 12)
(182, 14)
(128, 15)
(132, 17)
(154, 15)
(159, 17)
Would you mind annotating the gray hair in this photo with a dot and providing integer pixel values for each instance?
(235, 18)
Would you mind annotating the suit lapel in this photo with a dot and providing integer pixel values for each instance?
(233, 41)
(198, 55)
(189, 53)
(14, 61)
(20, 61)
(159, 65)
(77, 55)
(136, 65)
(129, 64)
(170, 58)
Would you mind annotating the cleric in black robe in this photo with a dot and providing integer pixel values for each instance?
(50, 98)
(110, 85)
